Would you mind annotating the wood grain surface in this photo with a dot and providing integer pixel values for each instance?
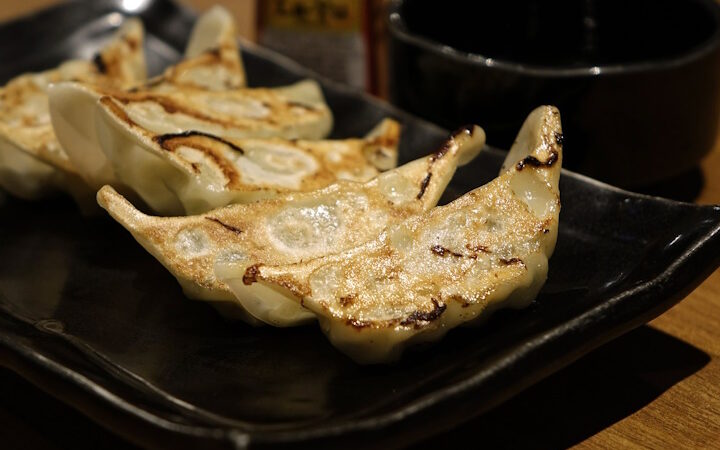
(687, 415)
(656, 387)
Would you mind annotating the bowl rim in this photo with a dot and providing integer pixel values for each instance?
(399, 30)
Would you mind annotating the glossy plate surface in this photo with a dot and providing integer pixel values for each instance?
(90, 317)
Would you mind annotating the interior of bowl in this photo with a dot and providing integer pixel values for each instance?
(565, 33)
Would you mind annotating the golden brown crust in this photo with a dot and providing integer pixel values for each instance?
(196, 103)
(290, 164)
(24, 113)
(440, 269)
(288, 228)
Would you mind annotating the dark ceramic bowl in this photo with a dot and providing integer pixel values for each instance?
(637, 82)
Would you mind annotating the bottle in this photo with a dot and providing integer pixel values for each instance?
(332, 37)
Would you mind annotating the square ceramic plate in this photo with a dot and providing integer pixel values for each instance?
(93, 319)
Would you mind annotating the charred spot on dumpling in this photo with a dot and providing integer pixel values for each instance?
(441, 151)
(421, 318)
(442, 251)
(511, 261)
(559, 138)
(251, 274)
(477, 248)
(534, 162)
(423, 185)
(214, 52)
(196, 151)
(99, 63)
(448, 144)
(347, 300)
(116, 110)
(228, 227)
(164, 138)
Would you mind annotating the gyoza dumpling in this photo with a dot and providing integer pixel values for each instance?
(212, 57)
(32, 162)
(212, 63)
(296, 111)
(290, 227)
(193, 172)
(450, 266)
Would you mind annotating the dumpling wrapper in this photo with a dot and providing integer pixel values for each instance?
(194, 172)
(292, 112)
(212, 63)
(32, 162)
(450, 266)
(212, 57)
(289, 228)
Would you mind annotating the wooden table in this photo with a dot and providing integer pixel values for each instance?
(687, 414)
(656, 387)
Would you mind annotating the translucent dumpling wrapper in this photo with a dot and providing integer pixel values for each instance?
(212, 57)
(451, 266)
(212, 63)
(289, 228)
(193, 172)
(79, 112)
(32, 162)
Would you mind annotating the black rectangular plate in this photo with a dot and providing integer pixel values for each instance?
(90, 317)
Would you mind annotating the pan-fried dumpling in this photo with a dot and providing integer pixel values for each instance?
(193, 172)
(291, 227)
(212, 63)
(450, 266)
(212, 58)
(296, 111)
(32, 162)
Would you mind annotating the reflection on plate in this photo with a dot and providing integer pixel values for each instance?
(85, 312)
